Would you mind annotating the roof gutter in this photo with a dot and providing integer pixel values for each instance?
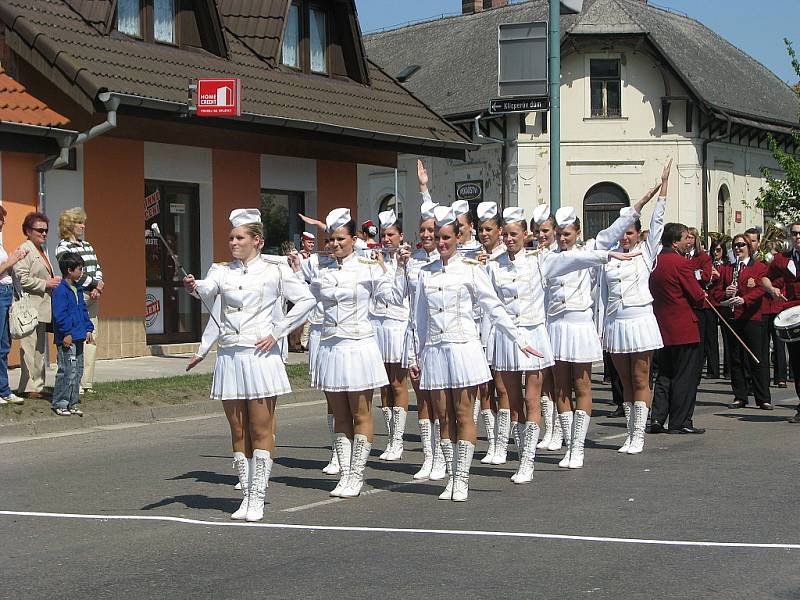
(704, 225)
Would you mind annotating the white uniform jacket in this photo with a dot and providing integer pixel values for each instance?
(386, 306)
(445, 296)
(573, 292)
(251, 299)
(627, 283)
(346, 291)
(309, 271)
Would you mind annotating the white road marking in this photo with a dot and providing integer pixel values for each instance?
(401, 530)
(372, 492)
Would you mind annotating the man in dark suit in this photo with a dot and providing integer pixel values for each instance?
(676, 293)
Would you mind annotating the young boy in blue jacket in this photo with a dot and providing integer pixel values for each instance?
(72, 328)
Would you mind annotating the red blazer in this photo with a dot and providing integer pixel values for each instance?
(749, 288)
(676, 293)
(716, 292)
(702, 262)
(783, 273)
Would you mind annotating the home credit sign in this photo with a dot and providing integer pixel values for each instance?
(219, 97)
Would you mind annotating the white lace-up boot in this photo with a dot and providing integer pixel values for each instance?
(447, 451)
(343, 447)
(557, 439)
(548, 406)
(487, 416)
(530, 436)
(639, 419)
(503, 425)
(242, 466)
(628, 408)
(579, 429)
(387, 417)
(439, 468)
(358, 462)
(476, 409)
(462, 463)
(565, 420)
(516, 434)
(332, 468)
(426, 437)
(259, 483)
(399, 415)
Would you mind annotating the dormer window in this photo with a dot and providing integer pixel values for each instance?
(318, 40)
(129, 17)
(306, 38)
(164, 21)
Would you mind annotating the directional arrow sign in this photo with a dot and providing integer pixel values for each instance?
(519, 105)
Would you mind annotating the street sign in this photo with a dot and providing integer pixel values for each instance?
(519, 105)
(522, 59)
(219, 97)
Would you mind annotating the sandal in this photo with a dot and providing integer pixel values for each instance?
(62, 412)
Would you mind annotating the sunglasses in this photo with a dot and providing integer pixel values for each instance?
(795, 233)
(40, 229)
(740, 245)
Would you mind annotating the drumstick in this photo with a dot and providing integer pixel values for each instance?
(728, 325)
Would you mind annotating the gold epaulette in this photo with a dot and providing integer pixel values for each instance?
(535, 252)
(367, 261)
(471, 261)
(274, 259)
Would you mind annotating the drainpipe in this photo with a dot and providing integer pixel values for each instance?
(67, 143)
(704, 226)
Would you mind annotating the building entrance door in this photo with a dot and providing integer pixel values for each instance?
(171, 315)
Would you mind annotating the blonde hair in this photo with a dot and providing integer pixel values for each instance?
(68, 219)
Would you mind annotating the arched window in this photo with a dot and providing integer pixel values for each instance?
(601, 207)
(723, 209)
(389, 202)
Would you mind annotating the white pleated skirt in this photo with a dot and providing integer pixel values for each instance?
(574, 338)
(410, 347)
(314, 336)
(390, 334)
(242, 373)
(450, 365)
(489, 346)
(632, 329)
(508, 356)
(345, 365)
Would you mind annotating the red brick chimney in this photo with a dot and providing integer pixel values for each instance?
(469, 7)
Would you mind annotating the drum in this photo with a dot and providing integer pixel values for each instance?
(787, 325)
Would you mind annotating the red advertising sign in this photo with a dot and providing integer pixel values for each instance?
(219, 97)
(738, 216)
(152, 205)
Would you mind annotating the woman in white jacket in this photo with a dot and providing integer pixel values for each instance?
(630, 330)
(452, 362)
(249, 373)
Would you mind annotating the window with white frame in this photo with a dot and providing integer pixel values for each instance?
(606, 88)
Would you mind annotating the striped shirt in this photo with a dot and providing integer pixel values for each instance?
(92, 274)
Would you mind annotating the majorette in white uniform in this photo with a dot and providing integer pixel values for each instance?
(487, 211)
(309, 270)
(626, 306)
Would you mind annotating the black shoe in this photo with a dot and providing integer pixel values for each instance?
(656, 427)
(618, 412)
(794, 419)
(737, 404)
(686, 430)
(781, 384)
(765, 406)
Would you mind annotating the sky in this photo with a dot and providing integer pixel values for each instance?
(758, 28)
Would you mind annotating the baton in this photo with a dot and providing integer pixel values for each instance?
(728, 325)
(179, 266)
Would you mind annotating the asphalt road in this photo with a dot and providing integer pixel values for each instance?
(736, 484)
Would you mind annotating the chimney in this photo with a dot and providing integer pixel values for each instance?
(469, 7)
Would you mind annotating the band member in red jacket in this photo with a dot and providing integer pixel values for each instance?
(787, 267)
(745, 307)
(676, 294)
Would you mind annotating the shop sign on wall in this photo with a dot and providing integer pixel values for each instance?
(153, 313)
(472, 191)
(152, 205)
(219, 97)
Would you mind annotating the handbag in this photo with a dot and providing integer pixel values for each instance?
(22, 318)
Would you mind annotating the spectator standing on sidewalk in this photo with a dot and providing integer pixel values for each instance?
(36, 277)
(6, 296)
(71, 229)
(72, 328)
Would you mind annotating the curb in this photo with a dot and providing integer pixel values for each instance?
(149, 414)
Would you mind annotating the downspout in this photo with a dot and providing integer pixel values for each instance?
(704, 226)
(67, 143)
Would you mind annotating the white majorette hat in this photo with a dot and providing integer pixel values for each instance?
(445, 215)
(338, 217)
(541, 213)
(513, 214)
(486, 211)
(565, 215)
(243, 216)
(387, 218)
(426, 211)
(307, 235)
(460, 207)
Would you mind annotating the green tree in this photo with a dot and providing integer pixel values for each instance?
(781, 197)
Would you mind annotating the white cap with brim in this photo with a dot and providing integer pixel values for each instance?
(565, 216)
(486, 211)
(245, 216)
(445, 215)
(426, 211)
(387, 218)
(460, 207)
(541, 213)
(513, 214)
(338, 217)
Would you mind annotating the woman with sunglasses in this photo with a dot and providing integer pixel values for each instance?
(716, 294)
(744, 302)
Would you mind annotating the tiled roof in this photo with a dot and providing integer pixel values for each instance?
(18, 106)
(60, 42)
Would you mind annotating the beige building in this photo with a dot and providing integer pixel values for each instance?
(639, 85)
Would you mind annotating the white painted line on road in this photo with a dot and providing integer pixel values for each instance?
(372, 492)
(400, 530)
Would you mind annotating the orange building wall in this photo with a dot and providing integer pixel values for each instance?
(236, 184)
(113, 186)
(337, 187)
